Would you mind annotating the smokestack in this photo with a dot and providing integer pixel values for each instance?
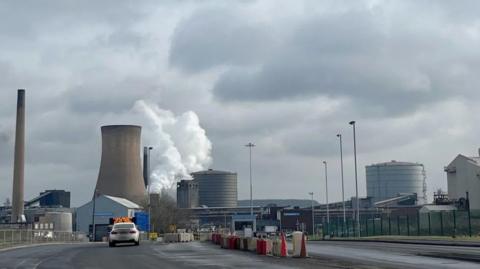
(19, 161)
(120, 172)
(146, 167)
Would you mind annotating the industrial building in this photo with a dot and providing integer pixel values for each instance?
(216, 188)
(54, 198)
(392, 179)
(120, 172)
(106, 207)
(463, 175)
(187, 194)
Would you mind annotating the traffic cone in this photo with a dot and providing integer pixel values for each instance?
(283, 247)
(303, 250)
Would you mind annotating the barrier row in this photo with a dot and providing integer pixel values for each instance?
(178, 237)
(275, 247)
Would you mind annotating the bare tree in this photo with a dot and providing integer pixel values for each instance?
(166, 215)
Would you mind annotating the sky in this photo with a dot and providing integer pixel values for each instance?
(285, 75)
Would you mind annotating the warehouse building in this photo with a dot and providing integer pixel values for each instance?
(106, 207)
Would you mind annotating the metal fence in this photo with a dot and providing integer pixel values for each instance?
(446, 223)
(16, 237)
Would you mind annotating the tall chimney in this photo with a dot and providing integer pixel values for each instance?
(19, 160)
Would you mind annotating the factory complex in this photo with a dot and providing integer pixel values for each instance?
(209, 200)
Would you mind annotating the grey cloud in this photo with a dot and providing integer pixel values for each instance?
(213, 37)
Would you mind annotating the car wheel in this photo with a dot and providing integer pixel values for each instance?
(111, 244)
(137, 243)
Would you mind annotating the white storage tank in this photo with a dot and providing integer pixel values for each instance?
(62, 221)
(390, 179)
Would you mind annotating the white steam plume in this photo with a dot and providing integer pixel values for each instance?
(180, 144)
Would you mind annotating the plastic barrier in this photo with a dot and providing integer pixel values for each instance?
(297, 243)
(224, 241)
(283, 246)
(170, 238)
(245, 243)
(252, 244)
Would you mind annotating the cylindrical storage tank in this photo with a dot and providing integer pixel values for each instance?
(62, 221)
(121, 169)
(216, 188)
(388, 180)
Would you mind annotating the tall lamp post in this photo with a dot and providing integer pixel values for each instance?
(343, 185)
(326, 196)
(250, 146)
(356, 178)
(146, 175)
(313, 215)
(93, 214)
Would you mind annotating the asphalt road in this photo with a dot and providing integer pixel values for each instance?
(391, 255)
(147, 255)
(206, 255)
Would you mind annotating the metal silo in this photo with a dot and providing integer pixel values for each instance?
(216, 188)
(388, 180)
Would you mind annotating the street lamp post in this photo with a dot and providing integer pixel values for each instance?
(343, 185)
(250, 146)
(93, 214)
(146, 154)
(356, 178)
(313, 215)
(326, 195)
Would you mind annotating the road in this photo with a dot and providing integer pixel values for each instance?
(391, 255)
(206, 255)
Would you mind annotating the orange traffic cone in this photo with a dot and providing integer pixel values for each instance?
(303, 250)
(283, 247)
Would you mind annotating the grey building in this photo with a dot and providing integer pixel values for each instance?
(187, 194)
(106, 207)
(216, 188)
(463, 175)
(391, 179)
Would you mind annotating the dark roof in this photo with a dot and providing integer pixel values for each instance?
(212, 172)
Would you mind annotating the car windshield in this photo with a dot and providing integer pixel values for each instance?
(124, 226)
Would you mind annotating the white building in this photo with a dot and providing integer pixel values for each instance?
(106, 207)
(463, 174)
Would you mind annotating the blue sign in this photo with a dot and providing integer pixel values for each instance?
(142, 220)
(103, 214)
(291, 214)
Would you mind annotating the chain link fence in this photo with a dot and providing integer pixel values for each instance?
(442, 223)
(18, 237)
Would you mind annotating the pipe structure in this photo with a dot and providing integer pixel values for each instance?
(19, 161)
(120, 172)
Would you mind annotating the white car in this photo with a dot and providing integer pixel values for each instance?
(124, 233)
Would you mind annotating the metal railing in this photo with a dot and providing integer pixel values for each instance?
(17, 237)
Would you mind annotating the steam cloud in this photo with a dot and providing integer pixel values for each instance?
(180, 144)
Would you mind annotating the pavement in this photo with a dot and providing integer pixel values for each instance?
(327, 254)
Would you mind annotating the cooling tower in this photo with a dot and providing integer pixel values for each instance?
(19, 160)
(120, 172)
